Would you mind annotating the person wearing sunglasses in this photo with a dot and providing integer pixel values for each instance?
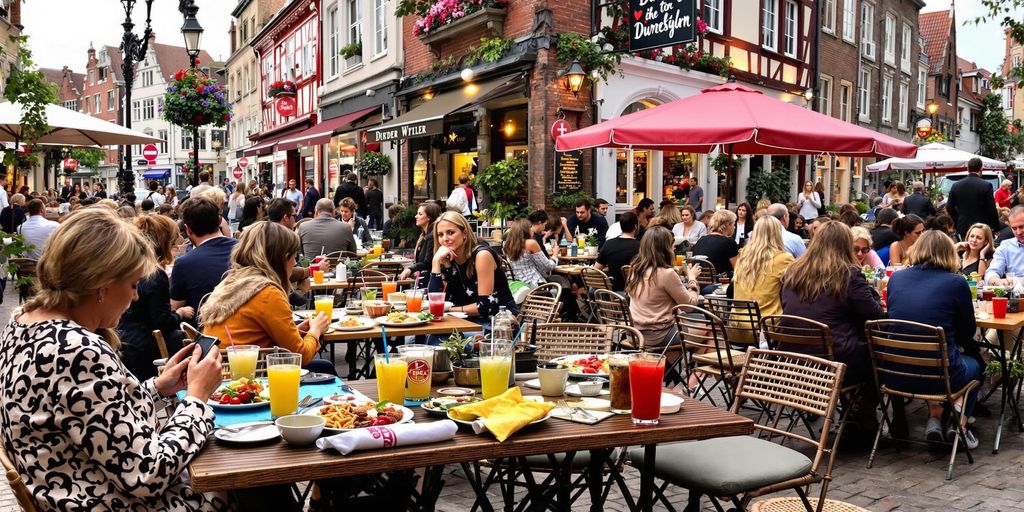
(866, 256)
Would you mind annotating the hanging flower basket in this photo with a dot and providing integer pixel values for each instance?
(373, 163)
(193, 99)
(281, 88)
(446, 12)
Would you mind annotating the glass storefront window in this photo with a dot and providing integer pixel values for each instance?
(341, 157)
(677, 167)
(463, 164)
(632, 170)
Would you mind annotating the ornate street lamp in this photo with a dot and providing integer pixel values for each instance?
(932, 108)
(193, 33)
(924, 128)
(133, 49)
(573, 78)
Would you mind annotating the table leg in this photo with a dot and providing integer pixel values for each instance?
(473, 477)
(598, 458)
(646, 499)
(432, 485)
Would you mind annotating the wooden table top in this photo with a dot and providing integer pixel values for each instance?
(580, 257)
(1011, 322)
(333, 284)
(222, 467)
(445, 326)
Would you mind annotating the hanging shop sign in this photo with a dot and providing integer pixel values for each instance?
(408, 131)
(568, 172)
(459, 137)
(286, 106)
(660, 23)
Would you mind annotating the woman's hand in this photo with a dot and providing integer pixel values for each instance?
(318, 324)
(204, 376)
(404, 274)
(172, 378)
(693, 271)
(962, 246)
(185, 312)
(442, 258)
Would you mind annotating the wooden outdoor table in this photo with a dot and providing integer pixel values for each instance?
(334, 284)
(568, 271)
(578, 258)
(1011, 325)
(220, 467)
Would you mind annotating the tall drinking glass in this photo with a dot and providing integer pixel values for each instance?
(495, 366)
(391, 377)
(618, 370)
(242, 361)
(283, 376)
(388, 287)
(420, 359)
(436, 304)
(646, 373)
(414, 301)
(325, 304)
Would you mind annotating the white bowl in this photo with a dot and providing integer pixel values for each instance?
(300, 429)
(590, 387)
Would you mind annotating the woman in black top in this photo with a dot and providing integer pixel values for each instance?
(468, 273)
(426, 214)
(976, 252)
(13, 215)
(718, 246)
(252, 211)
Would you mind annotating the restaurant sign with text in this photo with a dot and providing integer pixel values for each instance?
(660, 23)
(407, 131)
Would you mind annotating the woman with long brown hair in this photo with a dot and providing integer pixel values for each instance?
(654, 287)
(529, 263)
(426, 214)
(908, 228)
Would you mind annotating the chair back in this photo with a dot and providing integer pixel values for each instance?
(390, 269)
(707, 272)
(794, 387)
(18, 486)
(908, 351)
(697, 330)
(625, 274)
(506, 266)
(565, 339)
(336, 256)
(742, 319)
(595, 279)
(161, 343)
(612, 308)
(541, 304)
(798, 334)
(363, 278)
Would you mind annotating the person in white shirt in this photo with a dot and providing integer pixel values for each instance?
(36, 229)
(792, 242)
(4, 201)
(808, 202)
(153, 194)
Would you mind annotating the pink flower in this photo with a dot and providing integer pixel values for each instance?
(702, 27)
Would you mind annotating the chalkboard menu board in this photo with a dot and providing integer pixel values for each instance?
(568, 172)
(659, 23)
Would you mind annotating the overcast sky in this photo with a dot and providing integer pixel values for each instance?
(61, 30)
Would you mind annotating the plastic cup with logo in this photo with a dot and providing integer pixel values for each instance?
(495, 366)
(646, 373)
(325, 304)
(283, 372)
(419, 359)
(242, 361)
(436, 304)
(391, 377)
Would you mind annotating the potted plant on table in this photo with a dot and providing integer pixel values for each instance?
(465, 363)
(592, 245)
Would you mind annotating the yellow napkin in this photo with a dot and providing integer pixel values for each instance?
(504, 414)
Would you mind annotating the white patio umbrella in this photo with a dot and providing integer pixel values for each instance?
(69, 128)
(936, 157)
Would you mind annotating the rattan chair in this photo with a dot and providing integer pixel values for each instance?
(702, 351)
(18, 486)
(613, 309)
(506, 266)
(541, 304)
(364, 278)
(707, 272)
(564, 339)
(390, 269)
(916, 354)
(745, 467)
(595, 279)
(742, 321)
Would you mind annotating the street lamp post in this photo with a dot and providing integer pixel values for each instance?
(133, 49)
(193, 33)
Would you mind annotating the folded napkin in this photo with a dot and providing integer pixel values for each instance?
(502, 415)
(391, 436)
(577, 417)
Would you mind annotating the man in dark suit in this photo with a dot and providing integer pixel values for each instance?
(351, 189)
(308, 209)
(971, 200)
(918, 203)
(65, 191)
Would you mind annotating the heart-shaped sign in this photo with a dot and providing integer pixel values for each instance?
(638, 15)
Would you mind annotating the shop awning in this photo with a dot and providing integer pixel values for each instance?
(267, 145)
(428, 118)
(156, 173)
(321, 133)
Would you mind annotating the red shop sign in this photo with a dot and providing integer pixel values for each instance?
(286, 106)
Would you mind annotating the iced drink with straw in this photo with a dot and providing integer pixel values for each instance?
(391, 375)
(495, 365)
(242, 361)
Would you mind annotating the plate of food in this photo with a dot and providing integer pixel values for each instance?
(439, 406)
(352, 323)
(349, 416)
(241, 394)
(403, 319)
(584, 365)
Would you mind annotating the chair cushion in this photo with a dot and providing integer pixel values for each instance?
(579, 462)
(725, 466)
(739, 358)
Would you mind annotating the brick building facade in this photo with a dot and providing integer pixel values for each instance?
(939, 32)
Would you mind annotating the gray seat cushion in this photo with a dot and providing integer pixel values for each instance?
(579, 462)
(725, 466)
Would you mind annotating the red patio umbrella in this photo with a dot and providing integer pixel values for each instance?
(742, 121)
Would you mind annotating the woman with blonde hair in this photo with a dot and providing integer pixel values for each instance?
(654, 287)
(250, 306)
(689, 228)
(866, 256)
(97, 443)
(216, 195)
(670, 212)
(932, 292)
(467, 272)
(977, 250)
(759, 268)
(152, 310)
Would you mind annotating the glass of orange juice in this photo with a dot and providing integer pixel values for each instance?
(325, 304)
(679, 260)
(391, 374)
(414, 301)
(283, 378)
(387, 287)
(318, 277)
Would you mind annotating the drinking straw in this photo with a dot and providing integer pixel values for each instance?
(322, 247)
(512, 345)
(228, 331)
(384, 335)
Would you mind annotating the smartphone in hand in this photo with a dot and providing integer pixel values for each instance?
(206, 344)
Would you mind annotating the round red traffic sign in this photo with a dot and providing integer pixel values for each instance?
(150, 152)
(243, 162)
(559, 128)
(286, 106)
(237, 173)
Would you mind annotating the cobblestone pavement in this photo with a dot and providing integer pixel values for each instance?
(912, 479)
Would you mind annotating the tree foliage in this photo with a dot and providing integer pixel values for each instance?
(88, 157)
(27, 86)
(999, 139)
(773, 184)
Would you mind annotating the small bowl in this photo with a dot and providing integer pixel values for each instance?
(440, 377)
(376, 308)
(590, 387)
(455, 391)
(300, 429)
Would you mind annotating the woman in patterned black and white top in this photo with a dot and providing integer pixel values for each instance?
(82, 431)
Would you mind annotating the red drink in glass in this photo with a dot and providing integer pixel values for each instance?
(436, 305)
(646, 372)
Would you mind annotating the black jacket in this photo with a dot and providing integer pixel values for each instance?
(374, 201)
(11, 217)
(918, 204)
(152, 311)
(309, 202)
(349, 189)
(970, 201)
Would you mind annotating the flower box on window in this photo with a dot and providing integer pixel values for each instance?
(281, 88)
(448, 19)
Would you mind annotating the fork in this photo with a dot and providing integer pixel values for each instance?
(243, 428)
(573, 410)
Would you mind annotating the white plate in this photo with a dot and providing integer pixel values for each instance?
(532, 383)
(266, 432)
(239, 407)
(303, 372)
(670, 403)
(569, 359)
(364, 324)
(383, 320)
(407, 416)
(574, 390)
(459, 314)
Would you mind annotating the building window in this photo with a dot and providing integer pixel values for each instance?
(332, 42)
(791, 24)
(85, 105)
(1008, 97)
(380, 29)
(903, 105)
(845, 95)
(867, 30)
(147, 78)
(908, 36)
(103, 74)
(849, 20)
(355, 21)
(828, 16)
(92, 77)
(96, 105)
(975, 121)
(713, 15)
(111, 101)
(136, 111)
(307, 59)
(248, 77)
(162, 135)
(890, 40)
(825, 95)
(864, 96)
(922, 85)
(147, 109)
(887, 99)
